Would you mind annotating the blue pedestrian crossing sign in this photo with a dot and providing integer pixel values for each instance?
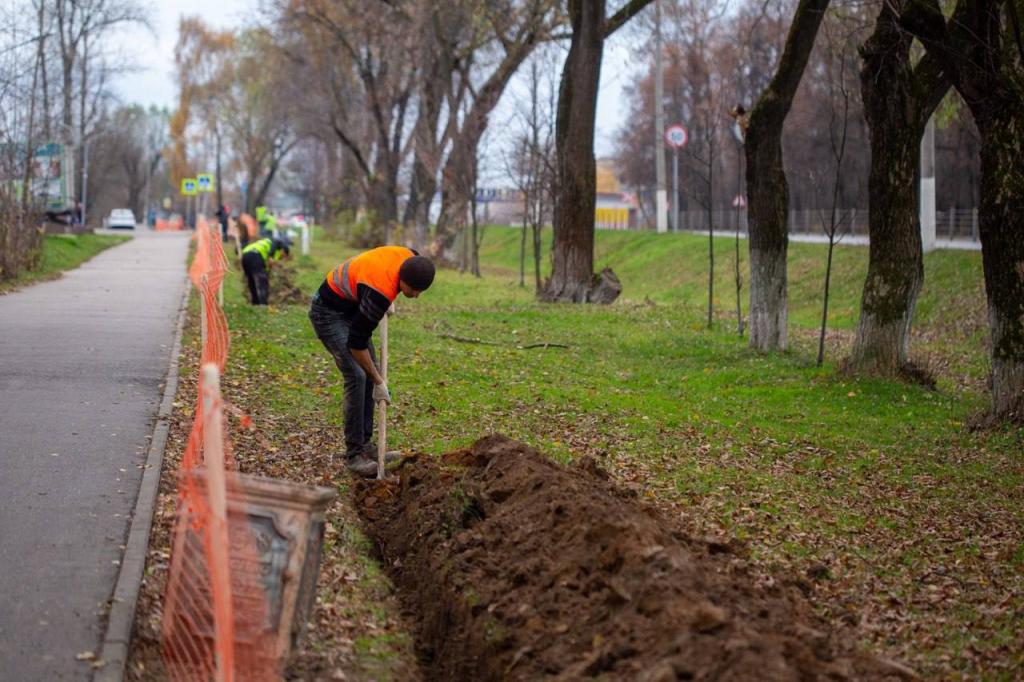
(189, 186)
(204, 182)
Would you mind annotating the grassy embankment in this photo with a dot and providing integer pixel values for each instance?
(62, 252)
(899, 520)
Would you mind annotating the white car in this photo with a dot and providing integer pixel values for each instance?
(121, 218)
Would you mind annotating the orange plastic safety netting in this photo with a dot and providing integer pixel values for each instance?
(216, 620)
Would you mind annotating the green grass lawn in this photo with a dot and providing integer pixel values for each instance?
(62, 252)
(916, 519)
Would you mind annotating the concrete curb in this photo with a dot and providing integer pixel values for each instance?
(114, 651)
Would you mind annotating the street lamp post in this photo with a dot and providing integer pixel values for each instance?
(675, 189)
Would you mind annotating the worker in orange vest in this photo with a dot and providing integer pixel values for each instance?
(347, 307)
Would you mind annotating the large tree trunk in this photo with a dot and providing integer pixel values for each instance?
(572, 276)
(1001, 229)
(898, 100)
(766, 182)
(573, 247)
(980, 51)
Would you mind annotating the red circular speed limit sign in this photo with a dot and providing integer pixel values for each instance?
(676, 136)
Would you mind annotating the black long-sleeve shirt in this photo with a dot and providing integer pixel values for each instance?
(366, 312)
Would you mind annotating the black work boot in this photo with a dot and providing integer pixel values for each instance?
(360, 465)
(370, 450)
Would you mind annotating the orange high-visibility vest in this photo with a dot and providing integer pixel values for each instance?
(376, 268)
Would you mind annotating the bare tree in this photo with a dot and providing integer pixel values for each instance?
(448, 39)
(767, 186)
(81, 27)
(361, 59)
(515, 29)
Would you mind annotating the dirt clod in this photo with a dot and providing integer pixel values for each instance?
(520, 569)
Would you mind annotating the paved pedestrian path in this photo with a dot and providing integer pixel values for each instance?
(82, 363)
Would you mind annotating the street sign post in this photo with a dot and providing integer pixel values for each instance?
(204, 185)
(189, 188)
(676, 137)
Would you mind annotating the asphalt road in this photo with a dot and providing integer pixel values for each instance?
(82, 364)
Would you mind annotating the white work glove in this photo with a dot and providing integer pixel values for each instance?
(380, 392)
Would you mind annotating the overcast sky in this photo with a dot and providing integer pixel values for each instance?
(154, 83)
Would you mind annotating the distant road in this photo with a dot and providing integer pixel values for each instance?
(82, 363)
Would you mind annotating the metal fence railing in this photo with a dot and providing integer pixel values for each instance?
(953, 224)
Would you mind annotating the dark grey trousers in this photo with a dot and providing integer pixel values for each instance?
(332, 328)
(259, 280)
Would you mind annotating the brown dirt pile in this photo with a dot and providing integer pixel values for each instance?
(283, 289)
(520, 569)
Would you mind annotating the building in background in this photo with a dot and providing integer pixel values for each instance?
(615, 209)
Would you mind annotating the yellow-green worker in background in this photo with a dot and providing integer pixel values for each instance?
(266, 221)
(256, 258)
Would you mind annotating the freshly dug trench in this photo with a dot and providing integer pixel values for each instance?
(282, 286)
(517, 568)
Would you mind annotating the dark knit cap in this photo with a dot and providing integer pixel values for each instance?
(417, 272)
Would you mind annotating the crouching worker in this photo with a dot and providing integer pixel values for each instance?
(256, 258)
(346, 309)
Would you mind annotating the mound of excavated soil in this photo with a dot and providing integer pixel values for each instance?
(517, 568)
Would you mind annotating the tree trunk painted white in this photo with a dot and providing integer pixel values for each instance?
(768, 303)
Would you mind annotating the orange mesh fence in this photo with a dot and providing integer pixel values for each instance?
(216, 620)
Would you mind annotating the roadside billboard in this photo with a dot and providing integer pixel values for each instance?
(51, 174)
(51, 177)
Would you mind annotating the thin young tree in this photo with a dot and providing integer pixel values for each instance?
(738, 203)
(532, 164)
(81, 28)
(838, 126)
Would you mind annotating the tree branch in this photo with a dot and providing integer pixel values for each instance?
(628, 11)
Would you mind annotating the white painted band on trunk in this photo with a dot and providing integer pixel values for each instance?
(927, 211)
